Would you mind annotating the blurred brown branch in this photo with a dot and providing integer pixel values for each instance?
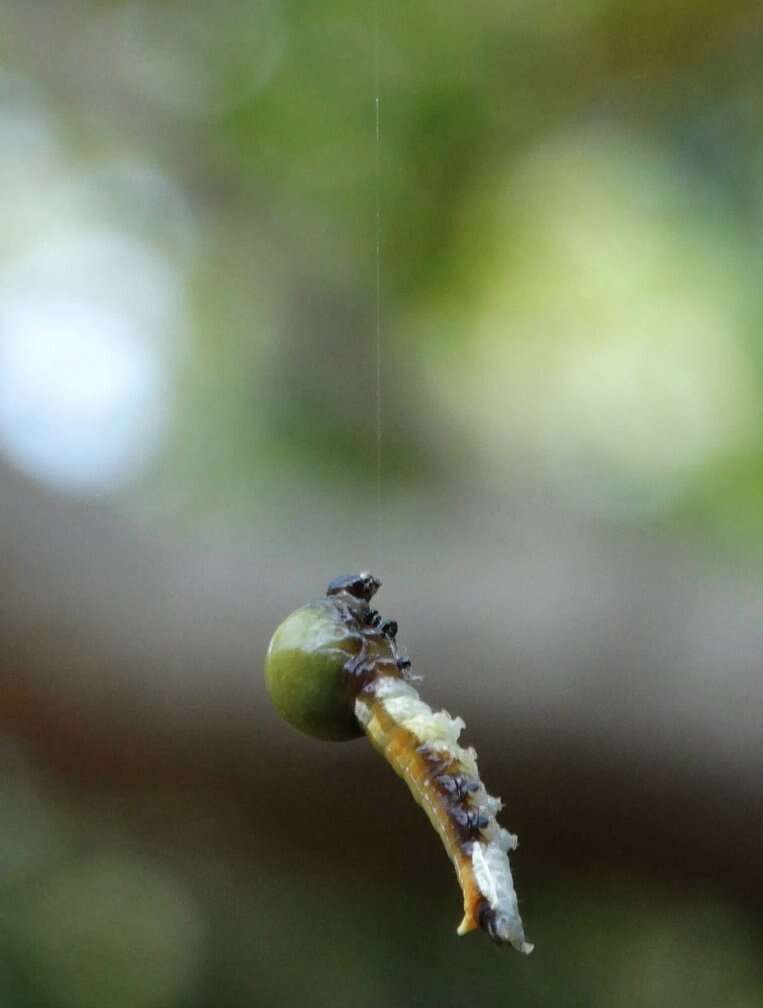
(613, 690)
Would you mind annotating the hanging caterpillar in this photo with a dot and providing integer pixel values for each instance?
(333, 671)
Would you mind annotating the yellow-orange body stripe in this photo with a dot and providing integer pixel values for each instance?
(408, 758)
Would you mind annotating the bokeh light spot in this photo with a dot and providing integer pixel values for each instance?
(84, 375)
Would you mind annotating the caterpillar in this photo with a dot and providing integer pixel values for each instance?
(333, 670)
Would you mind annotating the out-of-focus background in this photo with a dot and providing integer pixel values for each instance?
(571, 521)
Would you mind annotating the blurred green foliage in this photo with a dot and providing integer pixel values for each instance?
(553, 181)
(571, 206)
(111, 920)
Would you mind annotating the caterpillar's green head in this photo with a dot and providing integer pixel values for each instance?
(321, 655)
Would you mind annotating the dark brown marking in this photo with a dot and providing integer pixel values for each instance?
(389, 628)
(486, 920)
(420, 766)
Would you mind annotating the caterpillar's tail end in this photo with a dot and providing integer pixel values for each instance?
(470, 924)
(504, 929)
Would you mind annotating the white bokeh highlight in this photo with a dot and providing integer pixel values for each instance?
(82, 393)
(92, 305)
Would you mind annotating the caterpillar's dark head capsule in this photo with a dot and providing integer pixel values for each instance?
(361, 586)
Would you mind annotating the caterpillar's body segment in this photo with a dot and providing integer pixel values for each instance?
(362, 666)
(422, 747)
